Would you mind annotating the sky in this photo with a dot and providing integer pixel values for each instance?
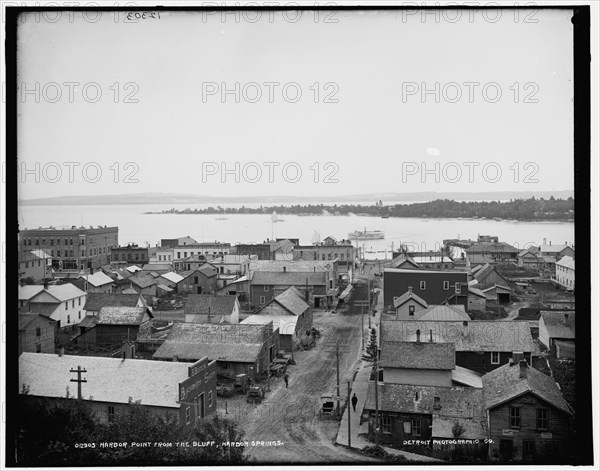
(330, 104)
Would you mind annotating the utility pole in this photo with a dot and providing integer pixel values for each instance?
(362, 325)
(348, 409)
(79, 371)
(337, 356)
(377, 424)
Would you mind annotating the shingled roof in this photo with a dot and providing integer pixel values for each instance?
(559, 324)
(218, 305)
(291, 300)
(240, 343)
(95, 301)
(507, 382)
(122, 315)
(442, 313)
(456, 404)
(143, 280)
(418, 355)
(26, 318)
(473, 336)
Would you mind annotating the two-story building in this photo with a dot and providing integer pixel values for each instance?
(34, 265)
(98, 282)
(202, 280)
(130, 253)
(527, 415)
(480, 346)
(36, 333)
(212, 309)
(329, 249)
(434, 287)
(61, 303)
(266, 285)
(565, 273)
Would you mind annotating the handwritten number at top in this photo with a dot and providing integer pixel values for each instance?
(145, 15)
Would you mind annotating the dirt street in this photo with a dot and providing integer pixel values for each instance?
(290, 417)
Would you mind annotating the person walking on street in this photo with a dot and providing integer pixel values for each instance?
(286, 378)
(354, 401)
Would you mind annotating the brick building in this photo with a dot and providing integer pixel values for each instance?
(75, 248)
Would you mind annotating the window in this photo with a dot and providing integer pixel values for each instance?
(395, 297)
(70, 241)
(111, 413)
(457, 287)
(51, 241)
(446, 285)
(411, 310)
(209, 398)
(188, 415)
(79, 314)
(515, 417)
(68, 318)
(178, 254)
(184, 254)
(266, 288)
(262, 300)
(542, 419)
(195, 280)
(422, 285)
(38, 333)
(38, 348)
(66, 242)
(225, 366)
(386, 424)
(495, 360)
(37, 241)
(73, 303)
(66, 305)
(79, 299)
(416, 427)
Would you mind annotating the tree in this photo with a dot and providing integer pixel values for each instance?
(371, 353)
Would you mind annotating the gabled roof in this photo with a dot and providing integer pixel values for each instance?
(88, 322)
(481, 274)
(122, 315)
(567, 262)
(218, 305)
(442, 313)
(27, 292)
(143, 280)
(95, 301)
(97, 279)
(27, 318)
(111, 380)
(504, 383)
(288, 278)
(559, 324)
(407, 297)
(172, 277)
(292, 300)
(475, 336)
(224, 342)
(402, 259)
(61, 293)
(531, 251)
(422, 355)
(206, 270)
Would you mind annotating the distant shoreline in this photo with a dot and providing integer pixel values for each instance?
(530, 210)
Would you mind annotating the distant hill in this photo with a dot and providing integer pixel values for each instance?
(386, 198)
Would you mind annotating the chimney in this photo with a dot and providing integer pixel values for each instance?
(410, 290)
(437, 404)
(430, 335)
(45, 283)
(516, 357)
(523, 366)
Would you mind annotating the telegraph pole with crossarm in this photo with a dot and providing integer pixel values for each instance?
(79, 371)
